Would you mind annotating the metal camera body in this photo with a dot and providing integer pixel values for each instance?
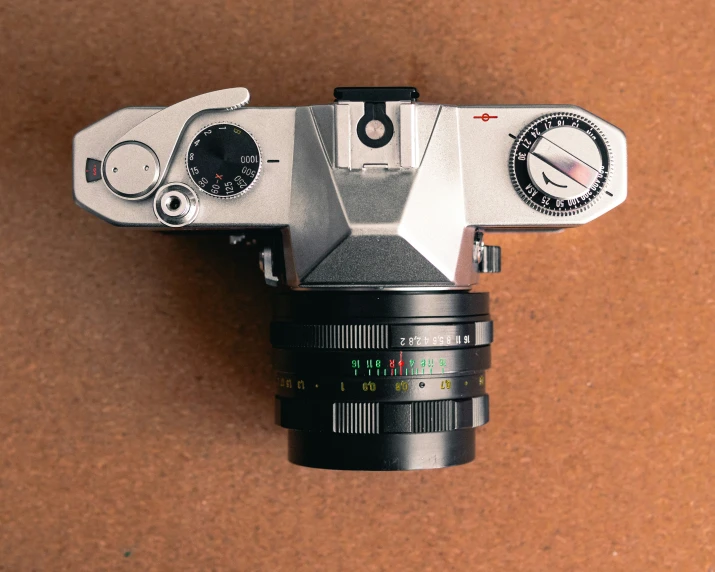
(376, 201)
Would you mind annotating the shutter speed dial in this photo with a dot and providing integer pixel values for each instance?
(560, 164)
(223, 160)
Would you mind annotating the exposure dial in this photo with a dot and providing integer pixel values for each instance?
(560, 164)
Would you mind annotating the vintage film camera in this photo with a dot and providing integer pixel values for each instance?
(372, 211)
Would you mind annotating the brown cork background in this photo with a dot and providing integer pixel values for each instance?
(136, 402)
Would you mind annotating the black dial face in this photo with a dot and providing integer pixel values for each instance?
(531, 193)
(223, 160)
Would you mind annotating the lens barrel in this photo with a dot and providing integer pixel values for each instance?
(381, 380)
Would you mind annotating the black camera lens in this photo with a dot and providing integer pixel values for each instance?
(381, 380)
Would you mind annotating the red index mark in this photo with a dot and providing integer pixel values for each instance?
(220, 177)
(486, 117)
(401, 363)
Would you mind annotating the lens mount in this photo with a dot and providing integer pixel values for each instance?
(381, 380)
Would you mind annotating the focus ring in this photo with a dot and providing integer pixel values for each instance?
(356, 418)
(383, 417)
(431, 416)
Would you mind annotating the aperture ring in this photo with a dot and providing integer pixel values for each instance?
(374, 418)
(290, 335)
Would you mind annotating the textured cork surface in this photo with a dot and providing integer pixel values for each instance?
(136, 408)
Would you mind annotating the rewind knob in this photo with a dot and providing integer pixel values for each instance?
(560, 164)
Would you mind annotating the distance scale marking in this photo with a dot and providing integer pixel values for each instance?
(523, 184)
(223, 160)
(382, 389)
